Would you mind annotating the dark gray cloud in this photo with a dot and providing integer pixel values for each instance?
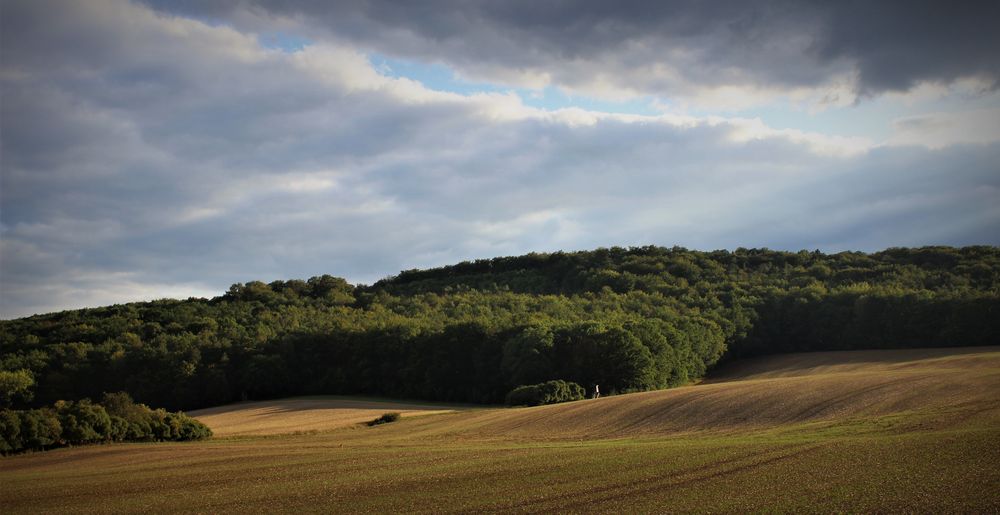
(148, 156)
(667, 48)
(897, 44)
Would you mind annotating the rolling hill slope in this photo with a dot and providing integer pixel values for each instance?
(285, 416)
(868, 431)
(944, 386)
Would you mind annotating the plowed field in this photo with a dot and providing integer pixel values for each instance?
(911, 431)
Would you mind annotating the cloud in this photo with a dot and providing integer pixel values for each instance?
(897, 45)
(722, 55)
(938, 130)
(147, 155)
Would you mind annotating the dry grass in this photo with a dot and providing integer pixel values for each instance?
(864, 361)
(758, 393)
(775, 391)
(305, 414)
(892, 431)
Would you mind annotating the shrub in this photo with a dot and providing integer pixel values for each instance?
(183, 427)
(119, 428)
(384, 419)
(83, 421)
(549, 392)
(40, 429)
(10, 431)
(194, 430)
(160, 428)
(72, 423)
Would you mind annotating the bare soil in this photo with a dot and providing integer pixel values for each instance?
(870, 431)
(776, 391)
(305, 414)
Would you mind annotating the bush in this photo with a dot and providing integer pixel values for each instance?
(10, 431)
(83, 421)
(40, 429)
(138, 422)
(183, 427)
(119, 429)
(384, 419)
(549, 392)
(72, 423)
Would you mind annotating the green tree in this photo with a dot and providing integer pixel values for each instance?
(15, 386)
(527, 356)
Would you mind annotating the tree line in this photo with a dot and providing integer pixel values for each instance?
(116, 419)
(628, 319)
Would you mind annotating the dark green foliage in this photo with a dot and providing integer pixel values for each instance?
(10, 431)
(549, 392)
(177, 427)
(15, 385)
(627, 319)
(384, 419)
(527, 355)
(40, 429)
(83, 422)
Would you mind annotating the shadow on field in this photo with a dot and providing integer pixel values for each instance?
(282, 416)
(807, 363)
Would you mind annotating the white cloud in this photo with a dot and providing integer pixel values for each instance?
(745, 130)
(722, 56)
(939, 130)
(147, 156)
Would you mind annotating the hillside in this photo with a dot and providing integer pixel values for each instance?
(636, 319)
(943, 386)
(285, 416)
(862, 431)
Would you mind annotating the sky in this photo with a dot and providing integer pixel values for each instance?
(153, 149)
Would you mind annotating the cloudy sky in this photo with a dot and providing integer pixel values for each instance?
(169, 149)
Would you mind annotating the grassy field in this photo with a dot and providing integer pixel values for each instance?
(305, 414)
(850, 431)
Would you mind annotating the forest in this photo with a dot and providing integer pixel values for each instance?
(628, 319)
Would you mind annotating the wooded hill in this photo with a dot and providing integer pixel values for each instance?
(627, 319)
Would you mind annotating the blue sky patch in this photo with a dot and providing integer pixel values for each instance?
(283, 41)
(440, 77)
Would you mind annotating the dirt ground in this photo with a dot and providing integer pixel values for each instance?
(869, 431)
(753, 394)
(307, 414)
